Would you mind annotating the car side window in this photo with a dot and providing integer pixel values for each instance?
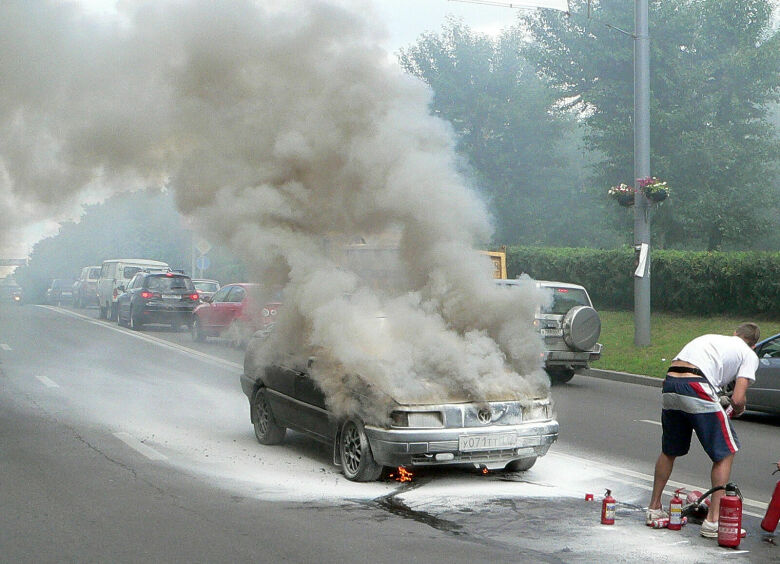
(770, 349)
(222, 294)
(237, 295)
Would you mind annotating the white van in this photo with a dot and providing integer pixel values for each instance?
(118, 272)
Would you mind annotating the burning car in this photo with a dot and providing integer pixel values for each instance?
(492, 433)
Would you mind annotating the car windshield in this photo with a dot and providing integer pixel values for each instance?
(166, 283)
(566, 298)
(206, 286)
(94, 273)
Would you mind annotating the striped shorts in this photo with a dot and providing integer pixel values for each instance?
(690, 404)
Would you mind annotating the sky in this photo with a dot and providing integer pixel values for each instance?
(404, 21)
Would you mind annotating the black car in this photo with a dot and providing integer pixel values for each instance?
(157, 297)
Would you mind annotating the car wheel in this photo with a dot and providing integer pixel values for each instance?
(135, 324)
(266, 429)
(197, 331)
(521, 465)
(114, 308)
(560, 375)
(102, 311)
(119, 320)
(77, 302)
(357, 461)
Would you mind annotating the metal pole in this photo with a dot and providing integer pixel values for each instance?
(641, 169)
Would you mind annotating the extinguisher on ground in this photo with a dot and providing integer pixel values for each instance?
(675, 511)
(608, 509)
(772, 516)
(730, 517)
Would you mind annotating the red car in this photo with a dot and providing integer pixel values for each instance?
(236, 311)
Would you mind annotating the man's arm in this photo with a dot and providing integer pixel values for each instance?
(739, 397)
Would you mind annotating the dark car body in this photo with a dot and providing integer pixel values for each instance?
(235, 311)
(85, 288)
(61, 290)
(764, 394)
(157, 297)
(11, 293)
(456, 430)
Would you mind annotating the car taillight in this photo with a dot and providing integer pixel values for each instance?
(194, 297)
(147, 295)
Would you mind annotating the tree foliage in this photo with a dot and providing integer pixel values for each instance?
(715, 70)
(525, 158)
(139, 225)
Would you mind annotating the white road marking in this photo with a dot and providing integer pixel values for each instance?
(138, 446)
(5, 347)
(47, 382)
(648, 421)
(647, 481)
(221, 362)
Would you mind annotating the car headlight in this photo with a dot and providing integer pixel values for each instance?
(538, 411)
(417, 419)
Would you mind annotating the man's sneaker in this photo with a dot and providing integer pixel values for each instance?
(656, 514)
(709, 529)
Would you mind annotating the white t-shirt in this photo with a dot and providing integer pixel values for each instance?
(722, 359)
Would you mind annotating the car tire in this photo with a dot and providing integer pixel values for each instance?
(560, 375)
(135, 325)
(102, 313)
(357, 461)
(112, 311)
(197, 332)
(119, 320)
(581, 328)
(77, 302)
(521, 464)
(267, 431)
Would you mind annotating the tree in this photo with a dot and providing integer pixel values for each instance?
(714, 73)
(525, 158)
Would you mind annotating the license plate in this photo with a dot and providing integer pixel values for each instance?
(486, 442)
(171, 297)
(552, 332)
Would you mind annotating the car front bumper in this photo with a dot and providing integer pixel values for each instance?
(431, 447)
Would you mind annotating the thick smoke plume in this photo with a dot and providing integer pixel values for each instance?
(287, 134)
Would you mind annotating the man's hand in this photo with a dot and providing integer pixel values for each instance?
(739, 397)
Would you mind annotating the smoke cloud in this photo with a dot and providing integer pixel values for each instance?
(286, 133)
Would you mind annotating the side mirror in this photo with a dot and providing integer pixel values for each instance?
(121, 287)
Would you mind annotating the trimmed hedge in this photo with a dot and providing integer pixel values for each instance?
(681, 281)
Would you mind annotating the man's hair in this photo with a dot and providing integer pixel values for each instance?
(749, 333)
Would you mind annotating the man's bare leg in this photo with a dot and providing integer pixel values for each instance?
(721, 471)
(663, 469)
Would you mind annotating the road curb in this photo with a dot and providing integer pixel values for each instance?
(623, 377)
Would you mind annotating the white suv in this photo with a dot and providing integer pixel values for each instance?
(570, 328)
(118, 272)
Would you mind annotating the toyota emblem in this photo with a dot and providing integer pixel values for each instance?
(484, 416)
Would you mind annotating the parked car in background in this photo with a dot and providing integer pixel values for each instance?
(157, 297)
(206, 288)
(119, 272)
(85, 288)
(570, 328)
(764, 394)
(60, 291)
(10, 291)
(235, 312)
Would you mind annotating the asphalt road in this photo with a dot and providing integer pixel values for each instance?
(136, 447)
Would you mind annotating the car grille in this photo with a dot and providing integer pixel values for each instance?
(480, 456)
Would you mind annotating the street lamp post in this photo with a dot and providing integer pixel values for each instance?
(641, 170)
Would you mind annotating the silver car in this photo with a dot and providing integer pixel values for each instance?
(491, 434)
(764, 394)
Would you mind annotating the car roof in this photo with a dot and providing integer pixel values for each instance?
(542, 283)
(139, 262)
(205, 280)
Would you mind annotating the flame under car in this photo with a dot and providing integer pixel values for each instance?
(507, 434)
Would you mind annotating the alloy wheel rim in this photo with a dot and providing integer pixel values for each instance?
(351, 447)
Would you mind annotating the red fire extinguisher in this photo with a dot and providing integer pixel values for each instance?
(772, 516)
(608, 509)
(730, 517)
(675, 511)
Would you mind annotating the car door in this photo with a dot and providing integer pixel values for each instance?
(207, 313)
(764, 394)
(232, 306)
(311, 402)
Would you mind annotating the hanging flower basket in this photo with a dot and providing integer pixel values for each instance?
(653, 189)
(623, 193)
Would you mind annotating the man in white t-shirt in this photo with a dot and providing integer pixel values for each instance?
(690, 403)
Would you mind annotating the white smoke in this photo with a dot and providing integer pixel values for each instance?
(284, 133)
